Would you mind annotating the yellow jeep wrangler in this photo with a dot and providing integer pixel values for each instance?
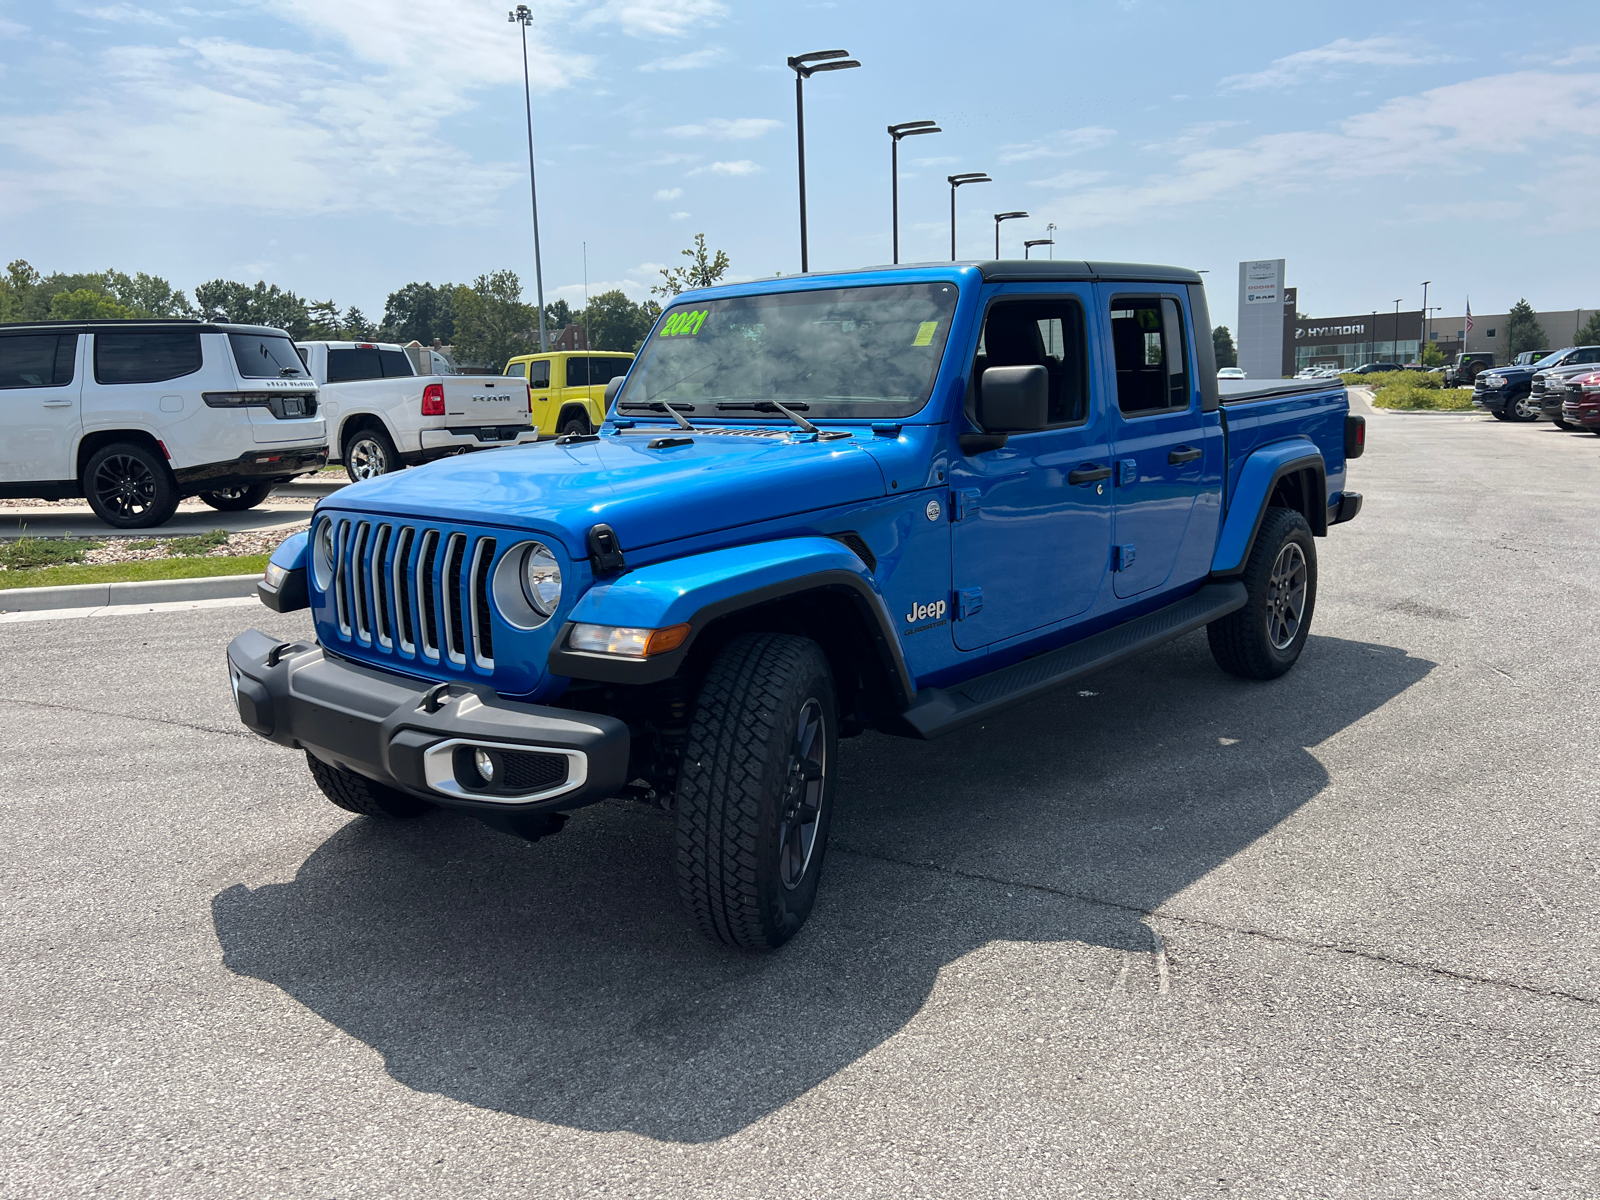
(567, 388)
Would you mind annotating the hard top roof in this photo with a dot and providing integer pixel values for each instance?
(1037, 270)
(137, 325)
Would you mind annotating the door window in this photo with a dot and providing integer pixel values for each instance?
(145, 357)
(1048, 333)
(538, 374)
(37, 360)
(1148, 341)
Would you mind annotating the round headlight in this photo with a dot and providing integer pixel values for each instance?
(541, 579)
(322, 554)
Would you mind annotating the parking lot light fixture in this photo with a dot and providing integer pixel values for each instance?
(1422, 337)
(998, 217)
(956, 181)
(1027, 247)
(523, 16)
(804, 67)
(896, 132)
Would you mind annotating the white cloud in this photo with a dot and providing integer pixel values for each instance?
(1447, 131)
(1068, 180)
(572, 293)
(741, 167)
(693, 61)
(1577, 56)
(668, 194)
(1061, 144)
(680, 216)
(126, 14)
(1324, 62)
(724, 130)
(948, 160)
(656, 18)
(11, 28)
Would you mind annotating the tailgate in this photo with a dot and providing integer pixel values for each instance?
(471, 401)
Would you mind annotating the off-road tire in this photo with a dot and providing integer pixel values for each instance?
(574, 421)
(368, 453)
(1241, 642)
(734, 784)
(129, 486)
(358, 794)
(237, 499)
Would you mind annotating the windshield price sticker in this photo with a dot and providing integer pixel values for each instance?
(925, 333)
(684, 324)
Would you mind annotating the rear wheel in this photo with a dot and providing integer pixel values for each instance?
(755, 791)
(369, 453)
(358, 794)
(1264, 639)
(129, 487)
(575, 421)
(237, 499)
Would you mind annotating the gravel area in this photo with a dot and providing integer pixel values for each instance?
(119, 550)
(191, 503)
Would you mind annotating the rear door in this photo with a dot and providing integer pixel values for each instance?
(1156, 434)
(41, 417)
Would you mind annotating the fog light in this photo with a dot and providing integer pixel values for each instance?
(486, 765)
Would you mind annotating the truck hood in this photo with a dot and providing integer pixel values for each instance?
(648, 496)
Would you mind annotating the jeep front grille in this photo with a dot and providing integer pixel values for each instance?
(415, 592)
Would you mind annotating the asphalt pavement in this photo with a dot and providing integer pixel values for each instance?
(1166, 934)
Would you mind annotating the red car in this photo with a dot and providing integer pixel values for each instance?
(1582, 406)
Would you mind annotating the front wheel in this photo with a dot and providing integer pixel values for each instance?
(129, 487)
(1525, 408)
(358, 794)
(755, 791)
(237, 499)
(1263, 639)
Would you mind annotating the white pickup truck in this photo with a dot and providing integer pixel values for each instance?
(382, 415)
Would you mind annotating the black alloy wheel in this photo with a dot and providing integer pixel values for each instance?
(237, 499)
(129, 487)
(1264, 639)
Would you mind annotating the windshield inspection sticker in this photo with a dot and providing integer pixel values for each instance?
(684, 324)
(925, 333)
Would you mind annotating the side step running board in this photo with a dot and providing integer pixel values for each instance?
(937, 711)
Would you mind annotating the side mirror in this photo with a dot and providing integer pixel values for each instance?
(1014, 399)
(613, 388)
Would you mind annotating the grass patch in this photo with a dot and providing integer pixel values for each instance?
(131, 572)
(198, 543)
(26, 554)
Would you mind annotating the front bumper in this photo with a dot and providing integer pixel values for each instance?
(1584, 414)
(1491, 401)
(420, 737)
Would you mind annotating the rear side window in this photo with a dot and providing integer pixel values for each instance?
(577, 372)
(346, 366)
(395, 364)
(538, 374)
(266, 356)
(37, 360)
(1152, 368)
(145, 357)
(603, 370)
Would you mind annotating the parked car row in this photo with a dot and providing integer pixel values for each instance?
(1521, 392)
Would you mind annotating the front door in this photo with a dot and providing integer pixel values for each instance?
(1031, 521)
(1157, 436)
(40, 389)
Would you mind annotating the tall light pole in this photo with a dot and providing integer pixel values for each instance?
(1372, 339)
(523, 16)
(956, 181)
(1422, 336)
(1050, 230)
(1027, 247)
(1394, 346)
(896, 132)
(998, 217)
(804, 67)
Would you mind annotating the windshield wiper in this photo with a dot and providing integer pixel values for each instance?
(662, 406)
(289, 372)
(774, 406)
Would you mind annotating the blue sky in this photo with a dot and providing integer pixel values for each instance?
(342, 148)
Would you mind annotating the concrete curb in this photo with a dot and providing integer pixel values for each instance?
(147, 591)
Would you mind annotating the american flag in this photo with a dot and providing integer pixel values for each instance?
(1469, 316)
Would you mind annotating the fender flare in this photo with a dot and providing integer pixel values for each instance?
(1262, 471)
(350, 422)
(699, 588)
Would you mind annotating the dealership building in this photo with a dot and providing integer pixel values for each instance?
(1273, 341)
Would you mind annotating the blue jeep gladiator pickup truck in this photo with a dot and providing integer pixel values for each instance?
(898, 499)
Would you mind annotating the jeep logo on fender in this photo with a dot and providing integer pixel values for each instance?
(926, 612)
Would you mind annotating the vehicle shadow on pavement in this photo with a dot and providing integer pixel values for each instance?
(559, 980)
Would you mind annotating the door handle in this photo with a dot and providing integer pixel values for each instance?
(58, 404)
(1184, 454)
(1088, 473)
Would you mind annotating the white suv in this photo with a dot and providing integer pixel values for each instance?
(135, 415)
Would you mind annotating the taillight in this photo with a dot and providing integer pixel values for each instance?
(433, 400)
(1355, 436)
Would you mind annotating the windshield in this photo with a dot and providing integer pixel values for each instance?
(835, 352)
(1550, 360)
(266, 356)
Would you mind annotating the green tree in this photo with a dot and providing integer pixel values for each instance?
(1522, 331)
(18, 290)
(263, 304)
(356, 326)
(1432, 356)
(1589, 335)
(491, 321)
(557, 315)
(324, 318)
(148, 295)
(1222, 342)
(420, 312)
(613, 322)
(86, 304)
(704, 270)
